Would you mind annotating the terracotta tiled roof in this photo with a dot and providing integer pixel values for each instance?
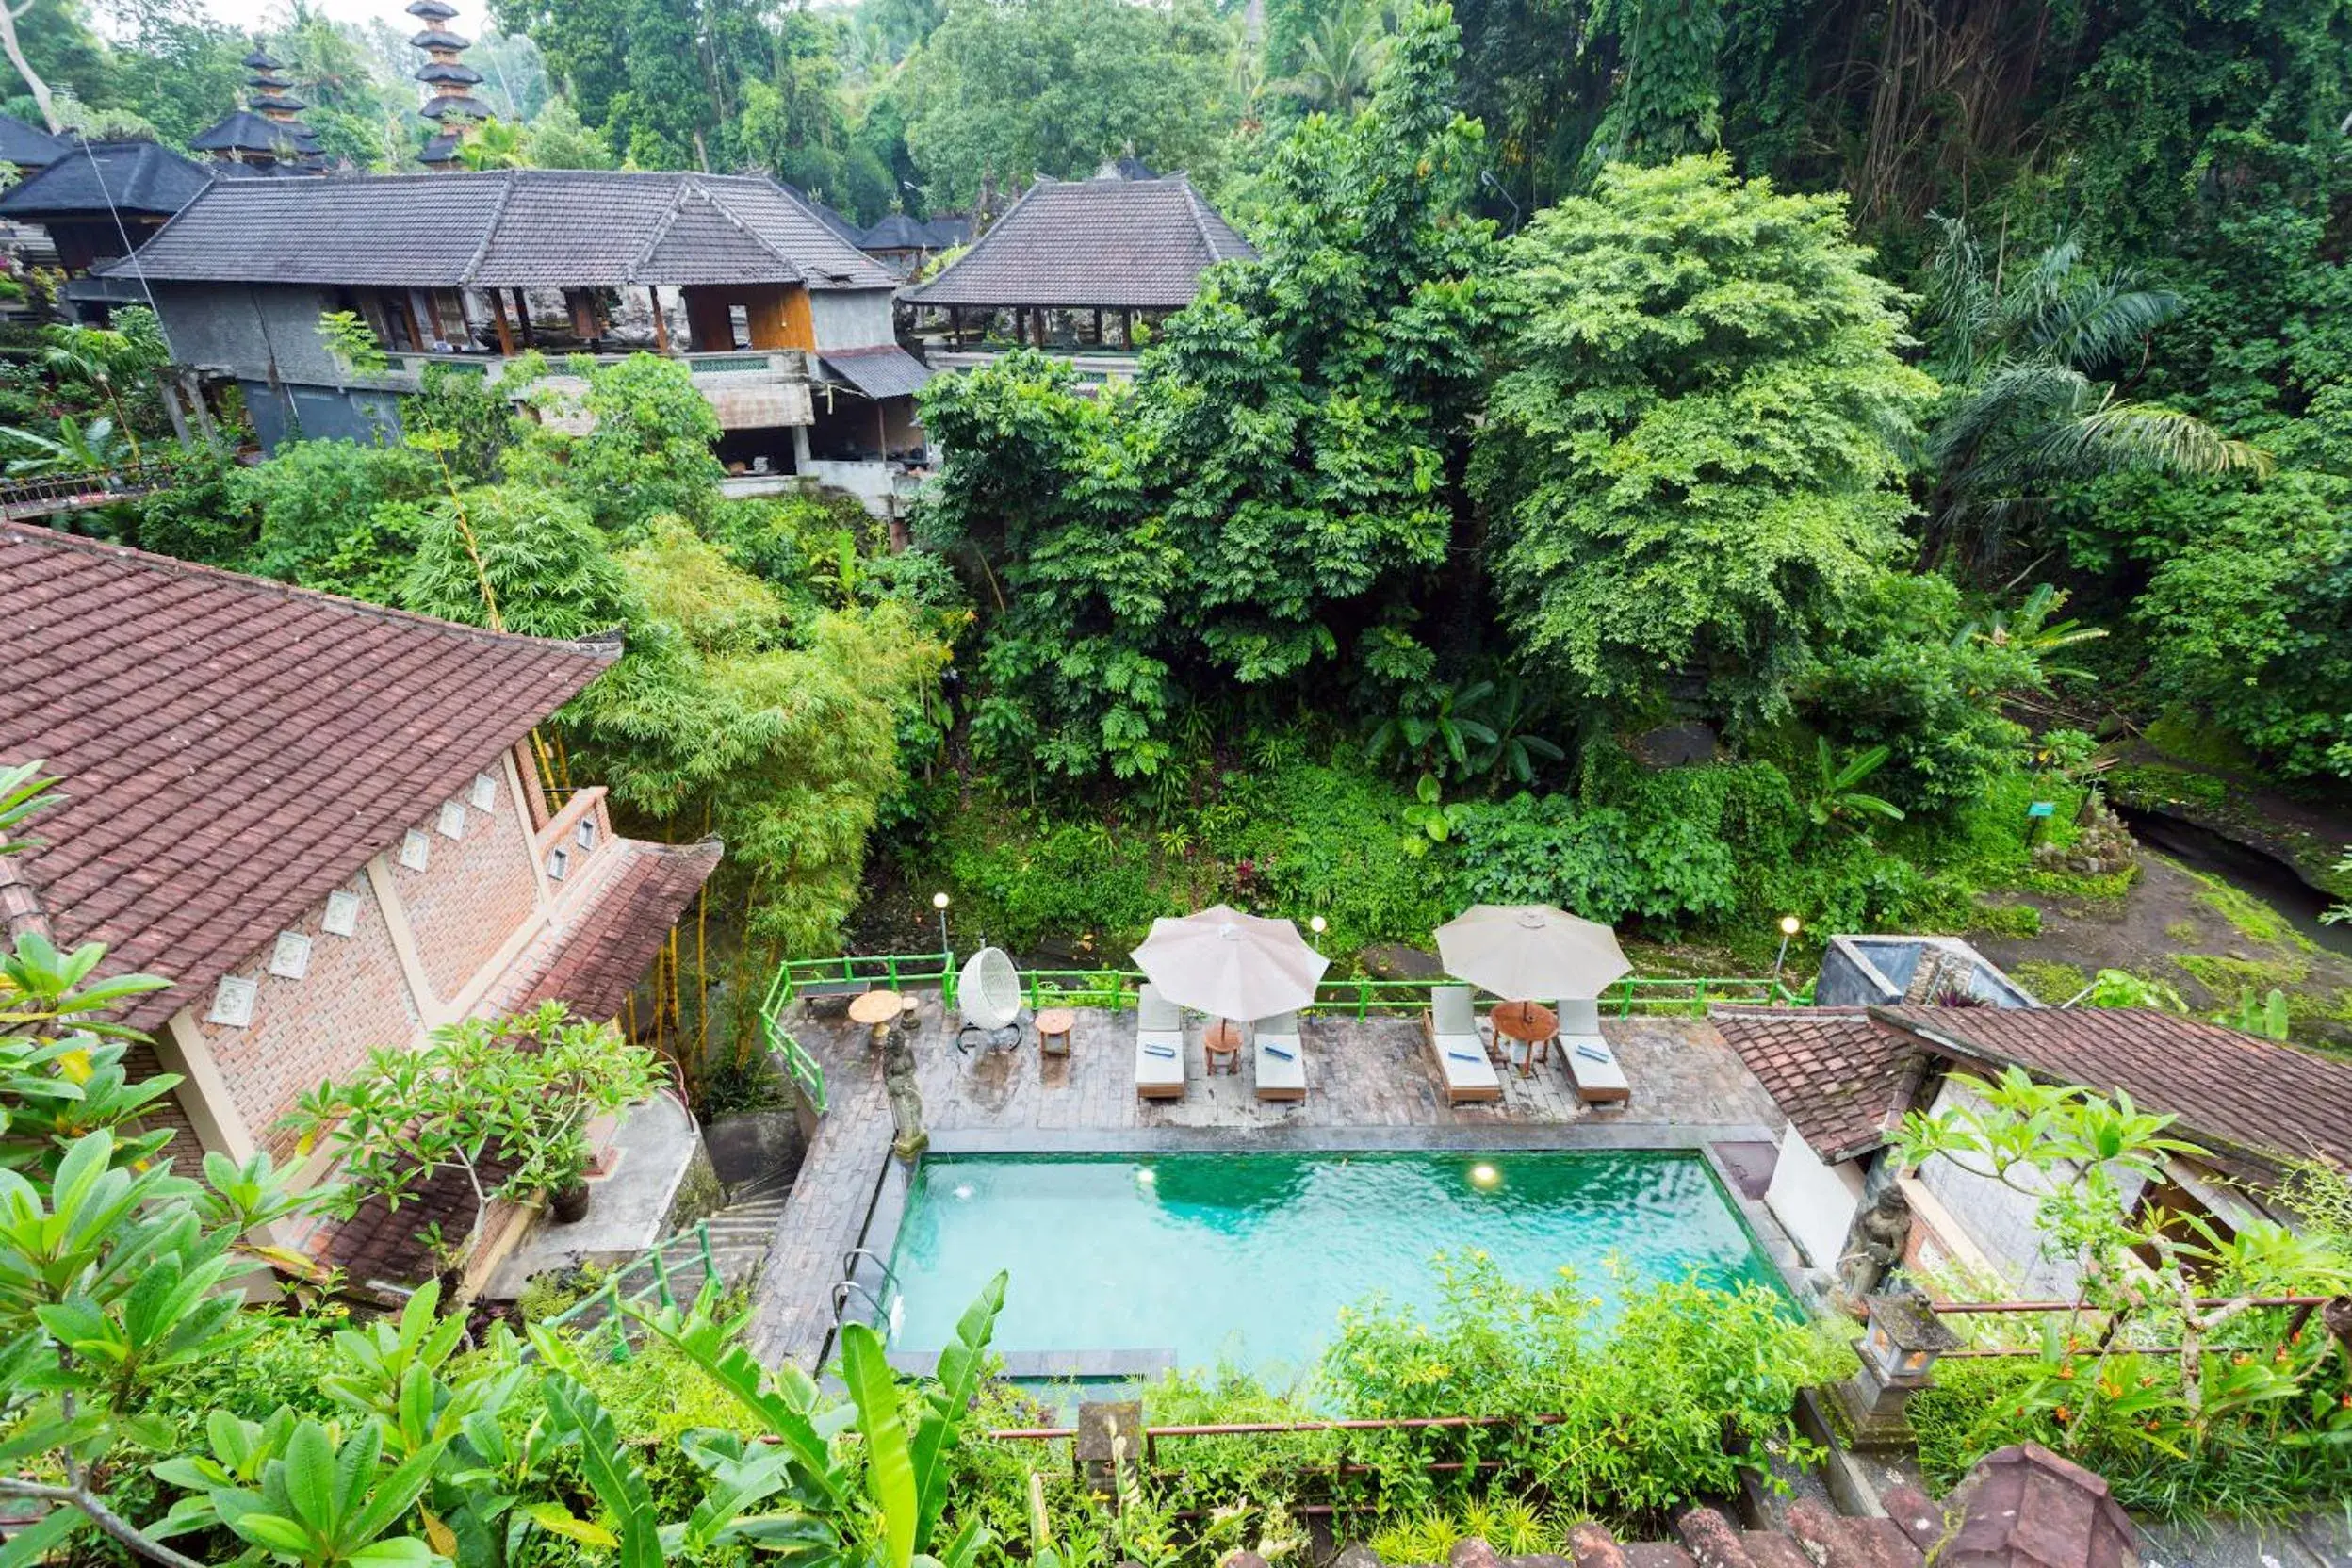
(1834, 1070)
(606, 953)
(380, 1243)
(233, 749)
(2231, 1090)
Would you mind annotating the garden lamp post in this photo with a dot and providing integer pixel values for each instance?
(939, 902)
(1319, 924)
(1790, 926)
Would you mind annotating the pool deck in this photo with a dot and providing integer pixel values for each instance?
(1369, 1086)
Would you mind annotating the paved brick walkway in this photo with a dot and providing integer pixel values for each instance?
(1364, 1078)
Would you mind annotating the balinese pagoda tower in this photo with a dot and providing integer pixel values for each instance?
(449, 101)
(268, 134)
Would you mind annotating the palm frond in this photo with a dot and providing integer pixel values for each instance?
(2097, 324)
(2024, 394)
(2123, 436)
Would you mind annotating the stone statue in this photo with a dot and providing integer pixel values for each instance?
(898, 1083)
(1873, 1246)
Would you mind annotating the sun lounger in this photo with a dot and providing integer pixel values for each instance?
(1281, 1065)
(1593, 1067)
(1159, 1047)
(1451, 1027)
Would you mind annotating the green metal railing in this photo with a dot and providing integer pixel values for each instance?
(654, 1273)
(701, 363)
(1645, 996)
(1642, 996)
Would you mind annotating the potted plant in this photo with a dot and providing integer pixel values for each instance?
(566, 1177)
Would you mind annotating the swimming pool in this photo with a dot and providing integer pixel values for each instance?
(1248, 1258)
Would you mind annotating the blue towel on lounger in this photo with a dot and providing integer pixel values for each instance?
(1277, 1051)
(1592, 1053)
(1159, 1051)
(1462, 1055)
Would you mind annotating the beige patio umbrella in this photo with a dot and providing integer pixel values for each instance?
(1531, 950)
(1231, 965)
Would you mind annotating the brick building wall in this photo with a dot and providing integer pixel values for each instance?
(474, 892)
(186, 1154)
(352, 998)
(475, 904)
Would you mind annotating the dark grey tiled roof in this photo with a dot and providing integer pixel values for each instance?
(897, 232)
(825, 214)
(949, 230)
(888, 371)
(244, 131)
(27, 146)
(450, 102)
(1092, 242)
(515, 227)
(131, 177)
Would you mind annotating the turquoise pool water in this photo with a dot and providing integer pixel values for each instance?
(1248, 1258)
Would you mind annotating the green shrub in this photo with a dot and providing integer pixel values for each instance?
(1903, 672)
(1677, 847)
(1646, 1398)
(1031, 879)
(556, 1291)
(1330, 839)
(329, 518)
(2008, 920)
(1976, 1407)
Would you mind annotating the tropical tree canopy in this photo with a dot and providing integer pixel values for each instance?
(1692, 459)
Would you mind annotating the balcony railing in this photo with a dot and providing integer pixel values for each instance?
(791, 364)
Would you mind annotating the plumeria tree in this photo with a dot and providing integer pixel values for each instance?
(2171, 1350)
(504, 1101)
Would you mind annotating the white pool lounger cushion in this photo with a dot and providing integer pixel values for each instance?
(1159, 1047)
(1593, 1066)
(1281, 1065)
(1451, 1026)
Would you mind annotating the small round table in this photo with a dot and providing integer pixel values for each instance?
(1223, 1039)
(1526, 1024)
(1054, 1024)
(877, 1010)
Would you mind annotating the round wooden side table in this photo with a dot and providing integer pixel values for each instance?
(1054, 1027)
(1223, 1039)
(1525, 1023)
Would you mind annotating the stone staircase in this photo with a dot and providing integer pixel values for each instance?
(738, 1237)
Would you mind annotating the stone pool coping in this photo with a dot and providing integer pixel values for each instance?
(887, 1210)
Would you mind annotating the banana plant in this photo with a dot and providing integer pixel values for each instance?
(815, 1505)
(1429, 819)
(1837, 796)
(1439, 738)
(2267, 1018)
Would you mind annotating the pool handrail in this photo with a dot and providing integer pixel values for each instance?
(841, 1299)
